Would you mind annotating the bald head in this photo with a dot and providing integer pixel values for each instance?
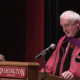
(2, 58)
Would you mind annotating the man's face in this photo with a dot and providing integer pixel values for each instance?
(69, 28)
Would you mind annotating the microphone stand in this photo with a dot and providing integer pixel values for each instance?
(44, 74)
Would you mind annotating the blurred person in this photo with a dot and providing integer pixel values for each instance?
(2, 58)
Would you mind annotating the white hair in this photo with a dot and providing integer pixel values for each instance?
(71, 15)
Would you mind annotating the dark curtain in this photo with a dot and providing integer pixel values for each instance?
(51, 24)
(12, 29)
(34, 30)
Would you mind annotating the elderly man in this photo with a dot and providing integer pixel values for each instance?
(65, 60)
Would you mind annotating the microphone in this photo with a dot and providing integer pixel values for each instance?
(51, 47)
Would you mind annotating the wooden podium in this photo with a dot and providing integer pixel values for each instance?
(10, 70)
(48, 77)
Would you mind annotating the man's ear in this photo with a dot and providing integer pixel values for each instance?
(79, 27)
(77, 22)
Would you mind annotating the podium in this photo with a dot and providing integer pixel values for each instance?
(10, 70)
(48, 77)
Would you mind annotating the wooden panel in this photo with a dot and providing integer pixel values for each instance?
(30, 67)
(32, 73)
(49, 77)
(14, 63)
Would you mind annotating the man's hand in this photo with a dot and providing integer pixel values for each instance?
(67, 75)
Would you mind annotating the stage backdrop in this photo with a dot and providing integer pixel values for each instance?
(34, 30)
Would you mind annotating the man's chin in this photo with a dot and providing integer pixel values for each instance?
(68, 36)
